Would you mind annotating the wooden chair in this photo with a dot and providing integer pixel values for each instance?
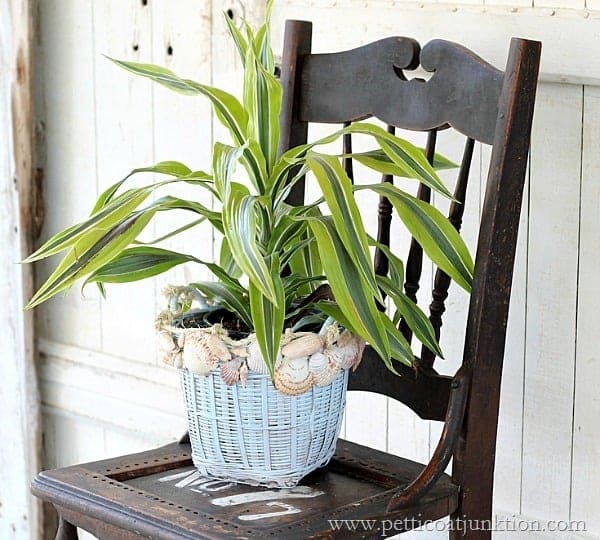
(158, 494)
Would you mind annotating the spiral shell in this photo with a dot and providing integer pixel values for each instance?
(230, 371)
(202, 352)
(351, 348)
(303, 346)
(325, 366)
(293, 377)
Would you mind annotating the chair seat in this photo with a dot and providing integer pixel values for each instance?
(159, 494)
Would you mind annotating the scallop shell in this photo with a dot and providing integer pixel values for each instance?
(202, 352)
(325, 366)
(350, 348)
(230, 371)
(256, 361)
(293, 377)
(303, 346)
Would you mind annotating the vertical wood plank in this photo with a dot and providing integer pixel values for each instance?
(181, 41)
(585, 488)
(69, 183)
(551, 301)
(123, 142)
(20, 515)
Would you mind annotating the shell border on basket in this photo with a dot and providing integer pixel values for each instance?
(305, 359)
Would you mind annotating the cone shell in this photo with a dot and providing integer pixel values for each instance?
(202, 352)
(244, 374)
(350, 348)
(293, 377)
(303, 346)
(325, 366)
(167, 347)
(178, 360)
(230, 371)
(255, 359)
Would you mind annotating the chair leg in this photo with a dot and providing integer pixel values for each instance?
(473, 466)
(66, 531)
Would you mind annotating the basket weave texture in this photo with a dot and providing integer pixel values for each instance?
(258, 436)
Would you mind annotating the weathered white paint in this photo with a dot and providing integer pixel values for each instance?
(585, 473)
(20, 517)
(103, 392)
(551, 301)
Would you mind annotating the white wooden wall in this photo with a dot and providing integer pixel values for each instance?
(104, 391)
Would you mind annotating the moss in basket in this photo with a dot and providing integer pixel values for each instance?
(276, 260)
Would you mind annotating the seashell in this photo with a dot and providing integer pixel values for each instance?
(202, 352)
(256, 362)
(230, 371)
(351, 348)
(293, 377)
(303, 346)
(243, 374)
(325, 366)
(178, 360)
(167, 347)
(240, 352)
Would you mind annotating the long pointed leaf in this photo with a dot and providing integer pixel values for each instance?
(349, 286)
(406, 155)
(138, 263)
(231, 299)
(227, 108)
(337, 190)
(90, 253)
(268, 319)
(241, 230)
(104, 219)
(413, 315)
(437, 236)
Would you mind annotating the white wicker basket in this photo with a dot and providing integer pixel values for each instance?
(258, 436)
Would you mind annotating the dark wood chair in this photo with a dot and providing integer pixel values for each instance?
(158, 494)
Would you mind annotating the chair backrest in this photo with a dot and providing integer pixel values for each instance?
(474, 98)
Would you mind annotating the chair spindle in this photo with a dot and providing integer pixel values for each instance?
(442, 280)
(414, 262)
(347, 150)
(381, 262)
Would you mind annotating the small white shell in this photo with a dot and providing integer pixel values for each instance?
(326, 366)
(255, 359)
(303, 346)
(202, 352)
(230, 371)
(293, 377)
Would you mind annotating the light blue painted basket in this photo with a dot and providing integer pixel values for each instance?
(258, 436)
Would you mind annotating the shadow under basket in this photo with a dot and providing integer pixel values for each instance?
(258, 436)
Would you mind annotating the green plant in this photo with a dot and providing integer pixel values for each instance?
(273, 256)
